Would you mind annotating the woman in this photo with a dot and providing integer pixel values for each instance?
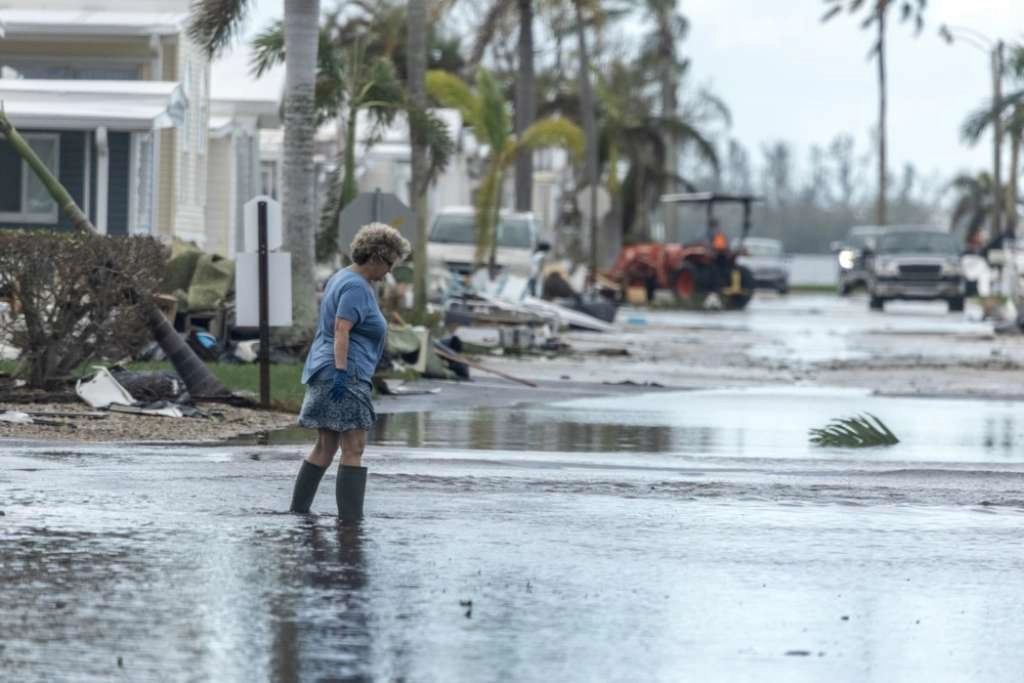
(348, 345)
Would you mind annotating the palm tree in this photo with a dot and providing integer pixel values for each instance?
(587, 106)
(526, 84)
(630, 131)
(973, 205)
(1012, 118)
(348, 82)
(486, 112)
(877, 17)
(416, 84)
(660, 54)
(213, 25)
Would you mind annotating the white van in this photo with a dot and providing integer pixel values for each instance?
(451, 243)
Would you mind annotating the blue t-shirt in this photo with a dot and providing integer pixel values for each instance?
(348, 295)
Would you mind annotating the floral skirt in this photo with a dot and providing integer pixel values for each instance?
(354, 411)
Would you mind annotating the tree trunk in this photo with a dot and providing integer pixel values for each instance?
(349, 190)
(1013, 181)
(589, 133)
(526, 106)
(416, 69)
(997, 134)
(298, 204)
(669, 107)
(880, 212)
(198, 378)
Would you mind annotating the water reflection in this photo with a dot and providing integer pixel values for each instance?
(748, 423)
(486, 429)
(321, 628)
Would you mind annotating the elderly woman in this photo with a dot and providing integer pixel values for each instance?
(348, 345)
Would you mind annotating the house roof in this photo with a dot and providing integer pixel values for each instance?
(50, 22)
(76, 105)
(226, 112)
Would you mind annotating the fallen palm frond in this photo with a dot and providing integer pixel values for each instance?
(853, 432)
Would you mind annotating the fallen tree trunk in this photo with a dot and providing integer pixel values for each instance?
(198, 378)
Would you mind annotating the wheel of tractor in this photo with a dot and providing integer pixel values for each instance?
(737, 301)
(684, 283)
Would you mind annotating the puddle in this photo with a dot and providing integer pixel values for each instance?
(753, 423)
(659, 537)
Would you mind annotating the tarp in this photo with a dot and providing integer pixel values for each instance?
(212, 283)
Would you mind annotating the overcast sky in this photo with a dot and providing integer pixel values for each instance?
(787, 76)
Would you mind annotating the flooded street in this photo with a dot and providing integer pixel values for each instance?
(686, 531)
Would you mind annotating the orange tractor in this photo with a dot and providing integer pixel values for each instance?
(695, 270)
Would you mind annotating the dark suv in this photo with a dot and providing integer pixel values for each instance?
(915, 264)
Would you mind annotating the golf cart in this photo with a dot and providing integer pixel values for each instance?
(695, 270)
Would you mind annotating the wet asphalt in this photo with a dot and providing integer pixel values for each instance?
(663, 536)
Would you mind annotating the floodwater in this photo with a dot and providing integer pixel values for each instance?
(673, 535)
(664, 537)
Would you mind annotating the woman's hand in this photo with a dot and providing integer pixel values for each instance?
(340, 382)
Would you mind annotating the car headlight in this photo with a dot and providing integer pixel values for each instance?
(889, 268)
(950, 268)
(846, 258)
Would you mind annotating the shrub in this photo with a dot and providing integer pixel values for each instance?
(74, 292)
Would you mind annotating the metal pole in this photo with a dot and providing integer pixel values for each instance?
(261, 212)
(375, 216)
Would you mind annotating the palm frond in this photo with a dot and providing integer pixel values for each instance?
(859, 431)
(451, 91)
(975, 124)
(440, 146)
(553, 132)
(267, 49)
(493, 120)
(213, 24)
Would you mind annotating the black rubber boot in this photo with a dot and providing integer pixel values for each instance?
(349, 489)
(306, 484)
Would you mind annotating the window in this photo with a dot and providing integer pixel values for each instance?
(23, 197)
(84, 71)
(268, 178)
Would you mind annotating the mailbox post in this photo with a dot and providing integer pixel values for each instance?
(263, 283)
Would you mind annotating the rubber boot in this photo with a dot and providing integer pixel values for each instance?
(349, 489)
(306, 484)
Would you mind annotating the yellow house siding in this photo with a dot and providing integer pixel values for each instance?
(219, 196)
(165, 182)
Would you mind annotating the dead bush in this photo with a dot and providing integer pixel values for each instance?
(76, 296)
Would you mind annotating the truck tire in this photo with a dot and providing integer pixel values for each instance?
(876, 303)
(684, 283)
(956, 304)
(737, 302)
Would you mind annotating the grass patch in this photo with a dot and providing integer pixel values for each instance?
(813, 289)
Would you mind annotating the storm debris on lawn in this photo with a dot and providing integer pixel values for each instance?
(103, 391)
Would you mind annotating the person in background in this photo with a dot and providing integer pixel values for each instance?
(346, 349)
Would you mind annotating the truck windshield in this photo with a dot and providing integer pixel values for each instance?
(917, 242)
(512, 232)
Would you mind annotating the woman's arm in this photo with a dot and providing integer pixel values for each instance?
(342, 328)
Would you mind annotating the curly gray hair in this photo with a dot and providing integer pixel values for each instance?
(380, 240)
